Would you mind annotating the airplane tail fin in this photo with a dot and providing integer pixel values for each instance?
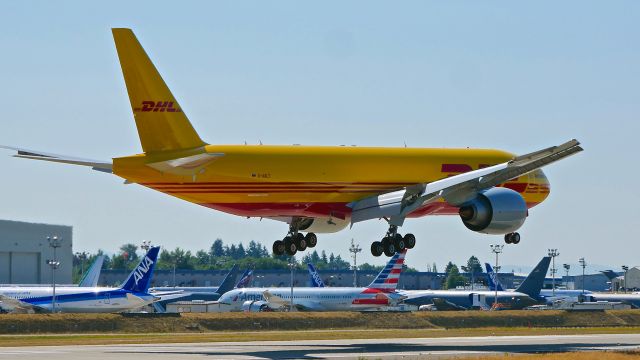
(388, 278)
(229, 281)
(245, 279)
(161, 123)
(535, 280)
(140, 278)
(316, 280)
(90, 278)
(492, 279)
(610, 274)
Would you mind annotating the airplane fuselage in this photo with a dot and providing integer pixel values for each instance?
(72, 299)
(313, 181)
(468, 299)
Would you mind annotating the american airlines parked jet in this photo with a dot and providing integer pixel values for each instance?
(73, 299)
(318, 189)
(379, 294)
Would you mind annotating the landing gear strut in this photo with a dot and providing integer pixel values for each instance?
(392, 243)
(512, 238)
(294, 241)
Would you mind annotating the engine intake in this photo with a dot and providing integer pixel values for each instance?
(495, 211)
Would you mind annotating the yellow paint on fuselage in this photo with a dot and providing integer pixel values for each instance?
(311, 174)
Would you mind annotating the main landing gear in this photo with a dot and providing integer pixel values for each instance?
(293, 242)
(392, 243)
(512, 238)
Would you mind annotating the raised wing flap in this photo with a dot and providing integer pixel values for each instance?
(274, 300)
(188, 165)
(98, 165)
(18, 306)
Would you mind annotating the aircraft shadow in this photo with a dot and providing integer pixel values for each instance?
(302, 351)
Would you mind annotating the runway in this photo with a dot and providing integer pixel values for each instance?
(333, 349)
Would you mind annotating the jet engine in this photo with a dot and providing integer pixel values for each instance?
(495, 211)
(255, 306)
(323, 225)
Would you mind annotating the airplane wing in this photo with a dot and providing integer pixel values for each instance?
(274, 301)
(444, 305)
(169, 295)
(456, 189)
(15, 305)
(187, 165)
(104, 166)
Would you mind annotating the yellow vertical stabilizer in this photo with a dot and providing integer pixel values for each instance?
(160, 121)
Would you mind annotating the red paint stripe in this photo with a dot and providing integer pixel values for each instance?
(370, 302)
(391, 281)
(396, 271)
(275, 183)
(252, 191)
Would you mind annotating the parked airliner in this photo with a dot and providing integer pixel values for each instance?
(379, 294)
(318, 189)
(132, 294)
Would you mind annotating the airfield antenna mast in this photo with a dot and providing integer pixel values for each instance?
(553, 253)
(55, 243)
(496, 249)
(292, 266)
(355, 249)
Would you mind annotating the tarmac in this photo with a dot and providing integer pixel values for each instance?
(334, 349)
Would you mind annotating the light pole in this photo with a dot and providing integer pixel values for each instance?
(292, 266)
(566, 270)
(583, 263)
(496, 249)
(354, 250)
(55, 243)
(625, 268)
(553, 253)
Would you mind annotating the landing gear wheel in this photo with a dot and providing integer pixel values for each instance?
(409, 241)
(376, 248)
(289, 246)
(512, 238)
(399, 243)
(300, 242)
(389, 247)
(311, 239)
(278, 247)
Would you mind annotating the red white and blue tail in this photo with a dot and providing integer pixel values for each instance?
(388, 278)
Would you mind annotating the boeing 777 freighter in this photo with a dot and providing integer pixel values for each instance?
(318, 189)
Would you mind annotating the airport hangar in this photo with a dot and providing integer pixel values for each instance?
(24, 251)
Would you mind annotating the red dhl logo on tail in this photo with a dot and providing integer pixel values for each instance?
(158, 106)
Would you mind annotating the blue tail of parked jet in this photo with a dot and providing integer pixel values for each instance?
(535, 280)
(140, 278)
(316, 280)
(492, 279)
(229, 281)
(245, 279)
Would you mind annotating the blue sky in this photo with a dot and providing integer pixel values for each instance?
(504, 75)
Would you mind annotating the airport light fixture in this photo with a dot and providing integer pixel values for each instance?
(54, 242)
(583, 263)
(553, 253)
(496, 249)
(354, 250)
(625, 268)
(146, 245)
(566, 270)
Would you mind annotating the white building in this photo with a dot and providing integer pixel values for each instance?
(24, 252)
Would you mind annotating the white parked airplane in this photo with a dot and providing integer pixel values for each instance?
(379, 294)
(74, 299)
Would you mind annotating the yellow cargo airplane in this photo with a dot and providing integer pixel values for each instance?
(318, 189)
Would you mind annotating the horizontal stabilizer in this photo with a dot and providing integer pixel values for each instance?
(105, 166)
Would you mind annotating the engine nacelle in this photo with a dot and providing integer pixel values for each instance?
(255, 306)
(496, 211)
(323, 225)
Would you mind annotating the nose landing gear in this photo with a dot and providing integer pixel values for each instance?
(392, 243)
